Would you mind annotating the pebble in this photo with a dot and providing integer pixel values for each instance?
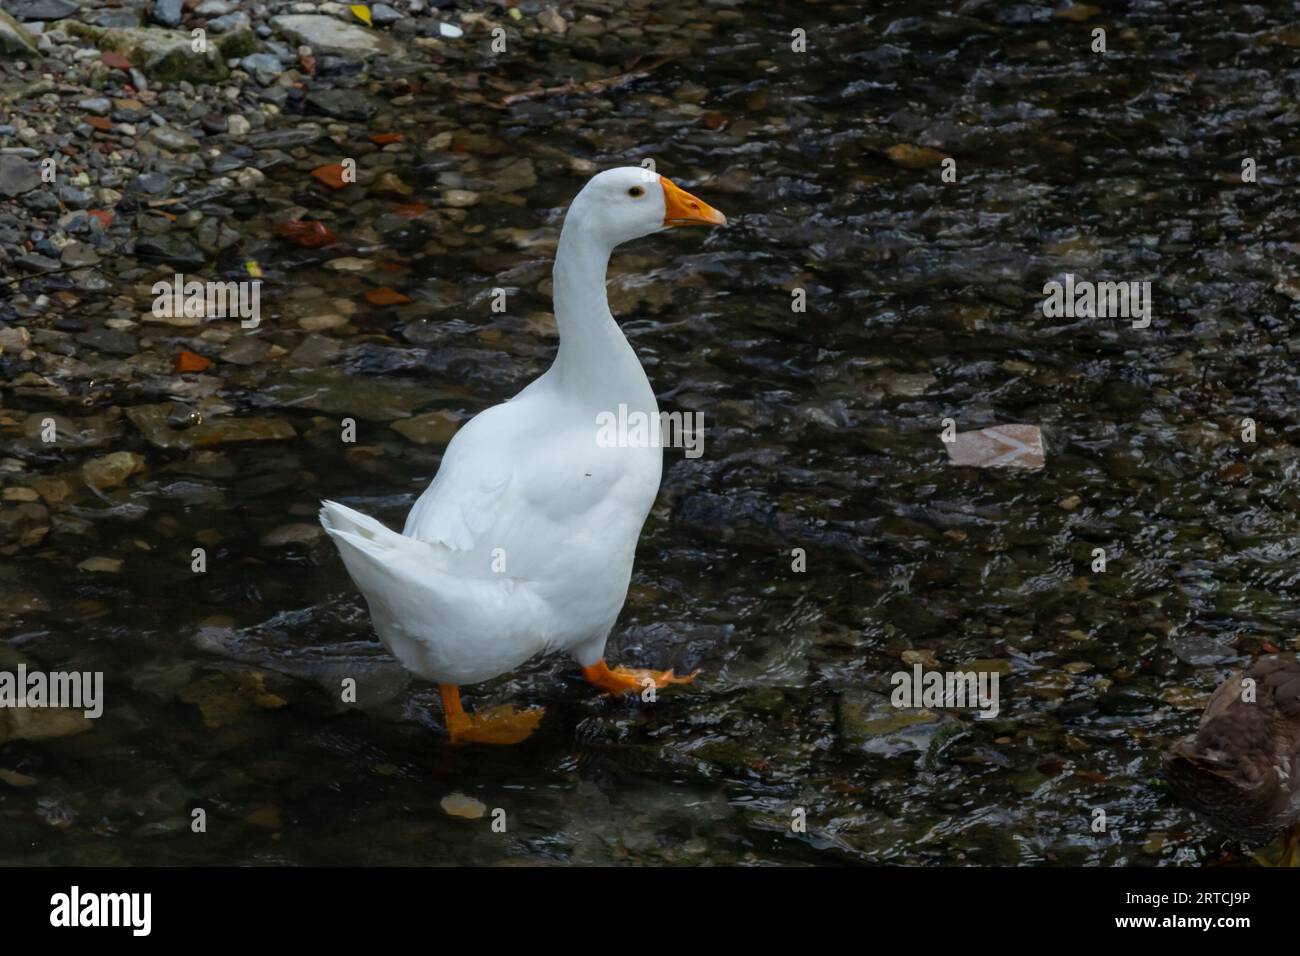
(168, 12)
(101, 565)
(111, 470)
(461, 805)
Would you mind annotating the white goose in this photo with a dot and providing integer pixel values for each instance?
(524, 541)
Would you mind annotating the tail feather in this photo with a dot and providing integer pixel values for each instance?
(335, 517)
(360, 531)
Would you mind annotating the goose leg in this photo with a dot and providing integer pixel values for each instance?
(496, 725)
(628, 680)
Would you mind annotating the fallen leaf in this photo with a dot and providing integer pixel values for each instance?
(386, 296)
(410, 210)
(103, 215)
(915, 157)
(308, 234)
(361, 12)
(253, 268)
(383, 139)
(189, 361)
(114, 61)
(331, 175)
(100, 122)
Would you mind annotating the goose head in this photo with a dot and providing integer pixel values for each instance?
(630, 202)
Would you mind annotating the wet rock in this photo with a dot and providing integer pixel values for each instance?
(906, 385)
(518, 175)
(168, 137)
(384, 15)
(52, 490)
(868, 722)
(227, 698)
(292, 534)
(96, 105)
(111, 470)
(15, 340)
(34, 262)
(110, 341)
(246, 350)
(262, 65)
(372, 397)
(315, 350)
(15, 41)
(1003, 446)
(41, 9)
(320, 323)
(460, 198)
(163, 55)
(17, 176)
(328, 35)
(434, 428)
(22, 526)
(15, 779)
(344, 104)
(552, 21)
(41, 723)
(101, 565)
(461, 805)
(170, 249)
(78, 254)
(152, 421)
(168, 12)
(230, 23)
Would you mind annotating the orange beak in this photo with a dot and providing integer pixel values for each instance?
(683, 209)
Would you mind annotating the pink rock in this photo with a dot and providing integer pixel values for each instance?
(1002, 446)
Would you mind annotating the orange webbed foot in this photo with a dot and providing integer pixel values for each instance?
(631, 680)
(496, 725)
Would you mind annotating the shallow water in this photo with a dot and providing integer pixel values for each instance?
(823, 434)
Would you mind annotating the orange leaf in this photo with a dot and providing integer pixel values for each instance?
(189, 361)
(309, 235)
(103, 215)
(114, 61)
(100, 122)
(331, 175)
(410, 210)
(383, 139)
(386, 296)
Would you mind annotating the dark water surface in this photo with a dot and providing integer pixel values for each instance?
(823, 434)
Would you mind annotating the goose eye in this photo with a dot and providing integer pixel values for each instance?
(636, 192)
